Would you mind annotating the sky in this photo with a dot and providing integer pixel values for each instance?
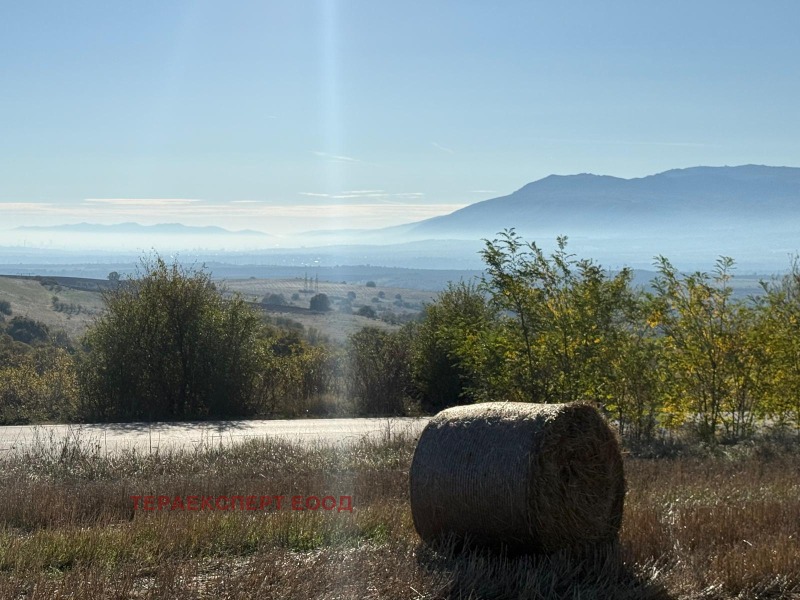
(301, 115)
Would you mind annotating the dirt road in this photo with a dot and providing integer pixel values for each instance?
(149, 437)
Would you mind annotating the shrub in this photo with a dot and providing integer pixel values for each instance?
(367, 311)
(378, 376)
(28, 331)
(442, 373)
(274, 299)
(320, 303)
(38, 385)
(169, 347)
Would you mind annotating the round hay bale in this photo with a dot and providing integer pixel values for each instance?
(527, 477)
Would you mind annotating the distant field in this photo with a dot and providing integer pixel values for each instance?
(336, 325)
(76, 304)
(256, 289)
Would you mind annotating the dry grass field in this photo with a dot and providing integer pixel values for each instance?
(694, 527)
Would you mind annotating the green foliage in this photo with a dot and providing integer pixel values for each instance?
(378, 378)
(170, 347)
(778, 335)
(295, 376)
(5, 307)
(38, 385)
(637, 382)
(371, 284)
(28, 331)
(442, 345)
(562, 321)
(11, 350)
(346, 306)
(709, 356)
(553, 328)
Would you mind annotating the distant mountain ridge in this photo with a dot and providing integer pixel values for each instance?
(689, 199)
(136, 228)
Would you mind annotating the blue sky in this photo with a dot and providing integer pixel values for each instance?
(285, 116)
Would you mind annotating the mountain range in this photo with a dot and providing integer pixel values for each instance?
(137, 229)
(683, 200)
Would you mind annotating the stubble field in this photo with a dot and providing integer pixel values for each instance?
(695, 527)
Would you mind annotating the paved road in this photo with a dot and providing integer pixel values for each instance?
(148, 437)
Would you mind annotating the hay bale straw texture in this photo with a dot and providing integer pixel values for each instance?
(528, 477)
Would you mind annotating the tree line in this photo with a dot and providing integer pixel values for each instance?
(538, 327)
(555, 328)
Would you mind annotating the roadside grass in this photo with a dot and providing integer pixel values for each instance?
(716, 526)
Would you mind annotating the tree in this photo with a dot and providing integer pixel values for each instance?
(778, 335)
(38, 385)
(320, 303)
(295, 377)
(562, 321)
(113, 276)
(708, 350)
(443, 344)
(28, 331)
(370, 284)
(170, 347)
(367, 311)
(274, 299)
(638, 375)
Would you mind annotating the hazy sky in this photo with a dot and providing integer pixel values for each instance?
(300, 115)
